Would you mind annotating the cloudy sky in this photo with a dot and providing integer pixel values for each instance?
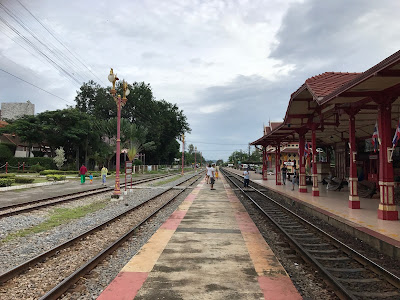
(230, 65)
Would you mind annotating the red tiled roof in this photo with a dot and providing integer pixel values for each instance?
(274, 125)
(14, 139)
(325, 83)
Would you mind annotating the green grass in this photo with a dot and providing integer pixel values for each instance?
(58, 217)
(166, 181)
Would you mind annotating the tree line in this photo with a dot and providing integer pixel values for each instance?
(87, 131)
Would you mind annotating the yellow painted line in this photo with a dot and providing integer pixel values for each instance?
(148, 255)
(264, 260)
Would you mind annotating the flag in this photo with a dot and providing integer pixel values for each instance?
(375, 137)
(396, 135)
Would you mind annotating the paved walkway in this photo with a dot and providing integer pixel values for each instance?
(208, 249)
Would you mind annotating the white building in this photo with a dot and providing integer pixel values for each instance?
(15, 110)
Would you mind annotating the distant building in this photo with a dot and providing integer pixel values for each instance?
(15, 110)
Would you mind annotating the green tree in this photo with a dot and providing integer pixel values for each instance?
(28, 129)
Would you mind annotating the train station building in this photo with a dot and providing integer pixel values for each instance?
(354, 119)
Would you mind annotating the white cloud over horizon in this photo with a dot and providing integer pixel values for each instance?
(230, 65)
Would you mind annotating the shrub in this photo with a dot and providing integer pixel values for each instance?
(24, 180)
(5, 152)
(59, 172)
(9, 175)
(6, 182)
(56, 177)
(137, 162)
(46, 162)
(36, 168)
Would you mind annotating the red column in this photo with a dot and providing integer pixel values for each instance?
(265, 161)
(278, 164)
(315, 189)
(117, 190)
(387, 208)
(302, 166)
(354, 201)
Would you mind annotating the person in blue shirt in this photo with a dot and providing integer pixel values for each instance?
(246, 174)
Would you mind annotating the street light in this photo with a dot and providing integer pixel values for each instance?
(120, 102)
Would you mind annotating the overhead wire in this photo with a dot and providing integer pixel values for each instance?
(35, 86)
(58, 40)
(35, 46)
(68, 64)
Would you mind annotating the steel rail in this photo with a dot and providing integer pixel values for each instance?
(41, 257)
(63, 286)
(367, 263)
(69, 197)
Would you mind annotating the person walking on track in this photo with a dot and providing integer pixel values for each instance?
(82, 172)
(246, 175)
(212, 176)
(104, 172)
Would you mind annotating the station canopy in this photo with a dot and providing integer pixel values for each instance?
(325, 100)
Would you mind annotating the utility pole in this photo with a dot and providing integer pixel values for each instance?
(183, 151)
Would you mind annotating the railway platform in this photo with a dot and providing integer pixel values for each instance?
(209, 248)
(332, 206)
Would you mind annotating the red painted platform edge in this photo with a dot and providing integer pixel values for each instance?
(380, 236)
(278, 288)
(124, 287)
(372, 233)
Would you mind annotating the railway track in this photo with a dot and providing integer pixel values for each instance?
(15, 209)
(67, 262)
(350, 274)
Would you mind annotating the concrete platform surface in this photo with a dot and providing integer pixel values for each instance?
(209, 248)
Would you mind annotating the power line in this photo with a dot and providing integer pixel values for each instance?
(58, 40)
(35, 86)
(36, 48)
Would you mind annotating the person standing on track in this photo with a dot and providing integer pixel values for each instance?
(212, 176)
(246, 175)
(82, 172)
(104, 172)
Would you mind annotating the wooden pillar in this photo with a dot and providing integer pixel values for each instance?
(315, 189)
(387, 209)
(302, 165)
(354, 201)
(278, 164)
(265, 161)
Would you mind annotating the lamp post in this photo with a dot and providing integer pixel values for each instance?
(120, 102)
(195, 163)
(183, 151)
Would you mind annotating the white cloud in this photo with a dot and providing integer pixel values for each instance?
(230, 65)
